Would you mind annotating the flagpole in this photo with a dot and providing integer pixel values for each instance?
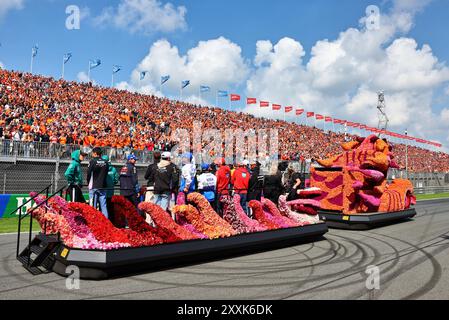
(88, 73)
(112, 81)
(32, 59)
(63, 64)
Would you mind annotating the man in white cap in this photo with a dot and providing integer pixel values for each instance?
(165, 177)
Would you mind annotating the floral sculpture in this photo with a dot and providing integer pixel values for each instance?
(55, 217)
(208, 214)
(261, 216)
(102, 228)
(355, 180)
(301, 218)
(194, 217)
(123, 207)
(234, 214)
(277, 216)
(82, 226)
(164, 221)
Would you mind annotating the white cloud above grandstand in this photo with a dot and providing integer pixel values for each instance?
(343, 75)
(144, 16)
(217, 63)
(7, 5)
(83, 77)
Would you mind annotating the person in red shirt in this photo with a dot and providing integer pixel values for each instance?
(240, 181)
(223, 175)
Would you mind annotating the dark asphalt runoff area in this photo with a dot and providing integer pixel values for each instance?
(412, 259)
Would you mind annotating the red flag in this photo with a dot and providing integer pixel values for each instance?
(288, 109)
(328, 119)
(319, 117)
(276, 106)
(264, 104)
(299, 112)
(310, 114)
(355, 124)
(235, 97)
(251, 100)
(362, 126)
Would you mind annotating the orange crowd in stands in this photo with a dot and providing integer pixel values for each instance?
(37, 108)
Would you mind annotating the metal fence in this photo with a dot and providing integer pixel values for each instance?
(53, 151)
(22, 177)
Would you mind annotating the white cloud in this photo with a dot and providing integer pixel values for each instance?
(6, 5)
(217, 63)
(445, 114)
(2, 65)
(343, 75)
(144, 16)
(83, 77)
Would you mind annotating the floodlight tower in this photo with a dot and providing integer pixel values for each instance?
(381, 111)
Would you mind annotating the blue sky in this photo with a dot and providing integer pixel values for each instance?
(243, 23)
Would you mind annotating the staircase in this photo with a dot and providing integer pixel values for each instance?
(38, 256)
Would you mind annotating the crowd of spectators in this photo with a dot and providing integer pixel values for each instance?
(34, 108)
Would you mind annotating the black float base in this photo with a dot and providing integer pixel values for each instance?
(364, 221)
(98, 264)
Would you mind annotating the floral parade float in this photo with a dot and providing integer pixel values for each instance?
(355, 193)
(101, 248)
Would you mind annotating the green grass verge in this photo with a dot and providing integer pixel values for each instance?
(8, 225)
(432, 196)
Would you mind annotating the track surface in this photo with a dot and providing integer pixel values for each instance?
(413, 258)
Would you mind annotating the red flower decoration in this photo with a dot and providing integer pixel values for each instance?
(278, 217)
(100, 226)
(123, 207)
(164, 221)
(258, 212)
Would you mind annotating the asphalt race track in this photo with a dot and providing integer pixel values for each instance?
(413, 259)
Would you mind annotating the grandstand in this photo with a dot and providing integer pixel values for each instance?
(43, 118)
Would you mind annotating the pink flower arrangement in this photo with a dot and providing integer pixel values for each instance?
(182, 221)
(251, 224)
(164, 221)
(101, 227)
(281, 220)
(72, 227)
(209, 216)
(301, 218)
(230, 215)
(261, 216)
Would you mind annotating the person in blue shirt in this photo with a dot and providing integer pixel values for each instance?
(188, 174)
(207, 183)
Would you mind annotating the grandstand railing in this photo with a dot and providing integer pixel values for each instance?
(49, 150)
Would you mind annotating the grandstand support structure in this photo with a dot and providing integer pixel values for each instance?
(381, 111)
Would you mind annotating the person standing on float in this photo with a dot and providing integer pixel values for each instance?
(188, 174)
